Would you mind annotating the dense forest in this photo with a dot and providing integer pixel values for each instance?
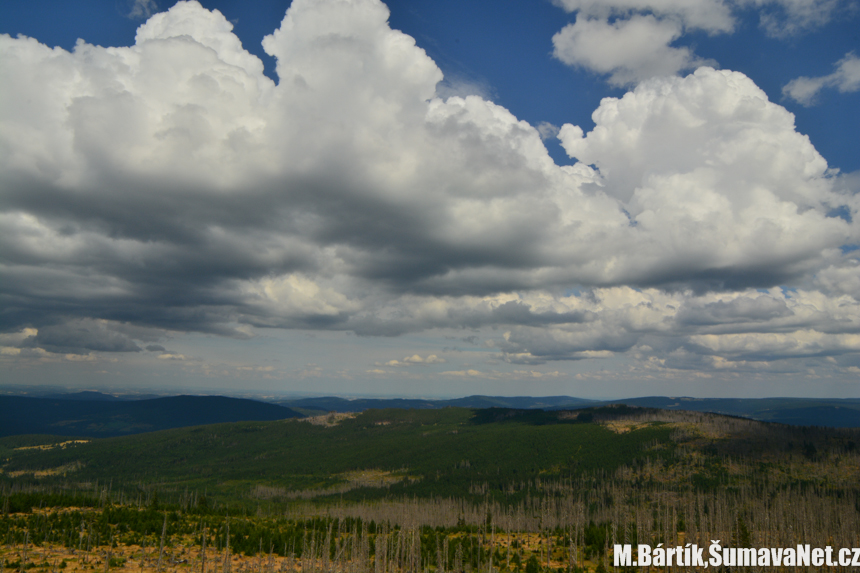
(443, 490)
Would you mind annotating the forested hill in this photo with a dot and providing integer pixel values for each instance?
(104, 418)
(827, 412)
(450, 452)
(421, 452)
(831, 413)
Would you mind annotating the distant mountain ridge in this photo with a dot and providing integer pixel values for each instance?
(96, 414)
(105, 418)
(343, 405)
(91, 395)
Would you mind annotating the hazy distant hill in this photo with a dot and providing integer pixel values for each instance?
(86, 395)
(90, 395)
(334, 404)
(103, 418)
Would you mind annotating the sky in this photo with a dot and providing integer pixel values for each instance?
(594, 198)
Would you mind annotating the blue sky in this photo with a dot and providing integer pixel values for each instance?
(177, 215)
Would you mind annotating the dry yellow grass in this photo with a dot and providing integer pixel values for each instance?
(61, 445)
(64, 469)
(328, 420)
(135, 559)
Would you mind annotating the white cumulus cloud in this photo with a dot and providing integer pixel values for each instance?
(628, 50)
(632, 40)
(710, 15)
(845, 79)
(416, 359)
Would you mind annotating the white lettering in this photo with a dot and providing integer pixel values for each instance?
(716, 556)
(697, 557)
(623, 555)
(817, 557)
(776, 554)
(747, 557)
(730, 556)
(691, 555)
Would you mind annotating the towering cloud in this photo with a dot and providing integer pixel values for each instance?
(170, 186)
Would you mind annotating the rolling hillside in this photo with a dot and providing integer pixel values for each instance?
(420, 452)
(832, 413)
(438, 452)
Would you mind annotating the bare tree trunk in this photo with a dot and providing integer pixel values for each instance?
(548, 547)
(492, 546)
(227, 562)
(109, 552)
(24, 554)
(203, 552)
(143, 551)
(161, 544)
(326, 550)
(87, 554)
